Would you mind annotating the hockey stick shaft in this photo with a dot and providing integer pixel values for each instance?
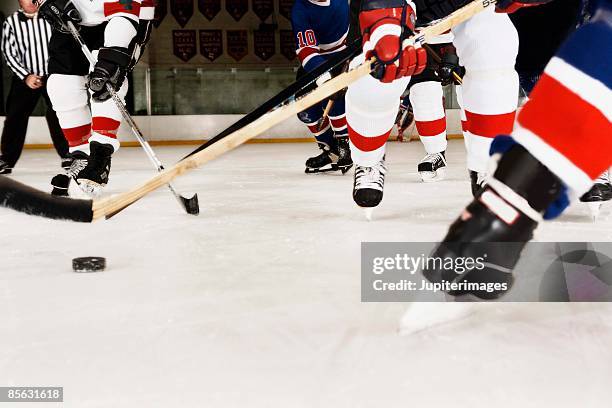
(285, 95)
(112, 205)
(188, 206)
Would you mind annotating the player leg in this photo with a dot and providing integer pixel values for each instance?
(321, 130)
(430, 117)
(337, 118)
(487, 46)
(371, 108)
(563, 144)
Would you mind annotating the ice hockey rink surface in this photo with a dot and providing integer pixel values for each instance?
(256, 302)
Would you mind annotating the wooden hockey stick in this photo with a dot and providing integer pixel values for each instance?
(328, 108)
(109, 206)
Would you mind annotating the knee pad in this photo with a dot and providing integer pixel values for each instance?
(487, 41)
(69, 98)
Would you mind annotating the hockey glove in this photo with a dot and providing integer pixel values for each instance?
(386, 36)
(143, 35)
(448, 66)
(510, 6)
(110, 69)
(58, 13)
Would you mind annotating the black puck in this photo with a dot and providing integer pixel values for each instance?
(89, 264)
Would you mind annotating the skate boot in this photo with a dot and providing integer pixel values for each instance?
(324, 162)
(433, 167)
(94, 176)
(498, 223)
(345, 162)
(368, 186)
(5, 168)
(478, 180)
(598, 194)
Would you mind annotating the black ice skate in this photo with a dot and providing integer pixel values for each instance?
(94, 176)
(345, 162)
(598, 194)
(60, 184)
(499, 222)
(325, 162)
(368, 186)
(478, 181)
(433, 167)
(5, 168)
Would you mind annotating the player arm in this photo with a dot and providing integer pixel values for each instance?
(11, 52)
(306, 42)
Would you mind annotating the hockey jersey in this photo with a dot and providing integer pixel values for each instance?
(96, 12)
(320, 29)
(122, 17)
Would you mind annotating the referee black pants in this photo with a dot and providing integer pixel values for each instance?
(20, 104)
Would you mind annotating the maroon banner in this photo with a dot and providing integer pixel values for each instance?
(211, 44)
(237, 44)
(263, 8)
(161, 10)
(210, 8)
(237, 8)
(284, 8)
(264, 43)
(184, 44)
(182, 10)
(287, 44)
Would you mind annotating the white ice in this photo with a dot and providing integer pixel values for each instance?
(256, 303)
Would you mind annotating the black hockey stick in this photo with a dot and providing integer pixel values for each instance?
(286, 94)
(28, 200)
(190, 205)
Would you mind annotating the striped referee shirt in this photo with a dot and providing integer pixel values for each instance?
(25, 44)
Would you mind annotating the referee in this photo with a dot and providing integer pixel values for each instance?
(25, 38)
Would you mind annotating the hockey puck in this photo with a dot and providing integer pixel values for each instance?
(89, 264)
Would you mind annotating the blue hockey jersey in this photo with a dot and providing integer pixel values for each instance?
(320, 29)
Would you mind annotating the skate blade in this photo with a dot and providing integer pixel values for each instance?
(321, 170)
(595, 209)
(368, 212)
(433, 176)
(91, 188)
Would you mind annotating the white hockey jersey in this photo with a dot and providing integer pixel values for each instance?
(96, 12)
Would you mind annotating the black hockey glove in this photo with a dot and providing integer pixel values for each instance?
(448, 66)
(143, 35)
(111, 69)
(58, 13)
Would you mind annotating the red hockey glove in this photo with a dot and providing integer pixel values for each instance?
(510, 6)
(386, 36)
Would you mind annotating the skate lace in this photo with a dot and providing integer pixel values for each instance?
(370, 177)
(434, 158)
(604, 178)
(76, 167)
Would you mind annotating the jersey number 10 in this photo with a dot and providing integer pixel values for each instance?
(306, 39)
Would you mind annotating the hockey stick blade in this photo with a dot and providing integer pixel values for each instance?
(28, 200)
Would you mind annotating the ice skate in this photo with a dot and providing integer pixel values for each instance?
(433, 167)
(423, 316)
(5, 168)
(94, 176)
(368, 186)
(345, 162)
(325, 162)
(478, 181)
(598, 195)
